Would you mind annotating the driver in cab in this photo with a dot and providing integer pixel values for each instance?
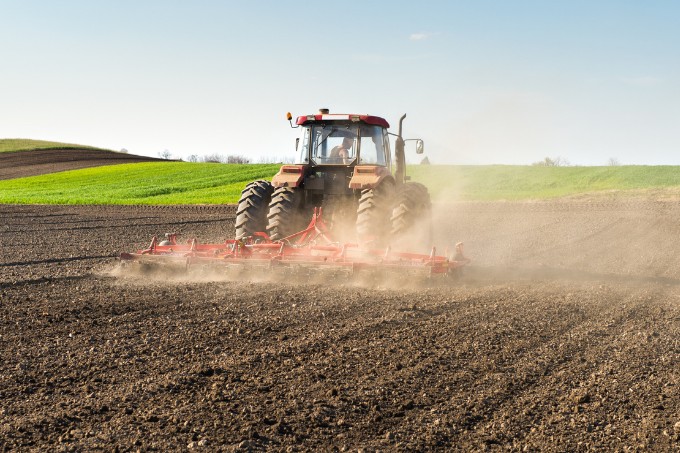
(341, 153)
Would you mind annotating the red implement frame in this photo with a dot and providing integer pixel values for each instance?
(311, 247)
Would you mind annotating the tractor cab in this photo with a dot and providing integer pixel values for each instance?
(347, 140)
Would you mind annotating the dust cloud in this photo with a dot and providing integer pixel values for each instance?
(139, 274)
(611, 239)
(615, 240)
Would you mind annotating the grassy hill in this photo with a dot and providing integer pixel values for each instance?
(203, 183)
(21, 144)
(142, 183)
(517, 182)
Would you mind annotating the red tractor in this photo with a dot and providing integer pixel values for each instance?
(345, 167)
(341, 208)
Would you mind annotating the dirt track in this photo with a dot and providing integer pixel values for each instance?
(563, 336)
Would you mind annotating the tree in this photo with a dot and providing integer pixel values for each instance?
(234, 159)
(213, 158)
(613, 162)
(552, 162)
(165, 154)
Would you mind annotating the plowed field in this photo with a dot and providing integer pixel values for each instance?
(564, 335)
(20, 164)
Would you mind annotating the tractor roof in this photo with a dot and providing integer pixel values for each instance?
(325, 117)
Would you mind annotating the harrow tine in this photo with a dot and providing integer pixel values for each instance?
(152, 247)
(387, 252)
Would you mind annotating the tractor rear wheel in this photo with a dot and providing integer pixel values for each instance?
(251, 214)
(285, 212)
(412, 215)
(373, 214)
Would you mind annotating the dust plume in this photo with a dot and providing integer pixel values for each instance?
(586, 239)
(615, 240)
(136, 274)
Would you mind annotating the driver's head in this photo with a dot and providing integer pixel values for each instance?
(347, 142)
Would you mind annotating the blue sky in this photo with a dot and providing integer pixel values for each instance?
(482, 82)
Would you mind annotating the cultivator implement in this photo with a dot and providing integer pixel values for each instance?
(312, 249)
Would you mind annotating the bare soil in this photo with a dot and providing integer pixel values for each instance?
(21, 164)
(563, 335)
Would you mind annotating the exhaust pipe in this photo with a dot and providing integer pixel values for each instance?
(400, 155)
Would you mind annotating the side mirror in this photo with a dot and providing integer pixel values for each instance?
(297, 143)
(420, 146)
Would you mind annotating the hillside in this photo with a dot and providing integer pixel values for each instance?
(20, 158)
(36, 172)
(24, 144)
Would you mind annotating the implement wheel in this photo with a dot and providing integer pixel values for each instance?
(251, 214)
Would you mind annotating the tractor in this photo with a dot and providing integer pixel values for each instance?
(341, 208)
(345, 169)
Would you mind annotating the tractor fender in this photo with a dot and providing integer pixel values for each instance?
(289, 176)
(368, 176)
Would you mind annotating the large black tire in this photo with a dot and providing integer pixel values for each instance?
(286, 214)
(412, 216)
(373, 215)
(251, 214)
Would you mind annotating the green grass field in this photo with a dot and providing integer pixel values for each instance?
(515, 182)
(204, 183)
(142, 183)
(170, 182)
(21, 144)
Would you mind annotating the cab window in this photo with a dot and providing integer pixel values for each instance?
(372, 151)
(334, 144)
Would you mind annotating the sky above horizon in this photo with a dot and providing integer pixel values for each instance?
(485, 82)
